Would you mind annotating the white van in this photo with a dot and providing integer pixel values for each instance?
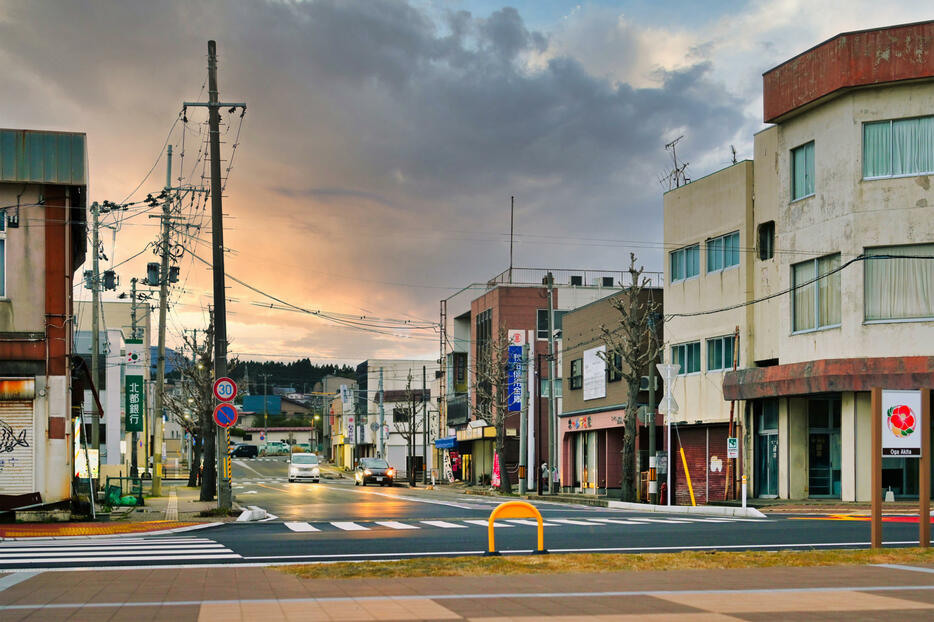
(304, 466)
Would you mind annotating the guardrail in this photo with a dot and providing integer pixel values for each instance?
(516, 509)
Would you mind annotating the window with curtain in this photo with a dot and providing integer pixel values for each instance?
(685, 263)
(802, 171)
(898, 147)
(899, 283)
(720, 353)
(687, 355)
(577, 373)
(816, 304)
(723, 252)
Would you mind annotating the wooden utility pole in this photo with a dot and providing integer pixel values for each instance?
(552, 424)
(729, 491)
(163, 306)
(95, 327)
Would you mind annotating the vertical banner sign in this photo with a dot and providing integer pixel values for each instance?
(594, 371)
(496, 479)
(901, 424)
(516, 379)
(134, 407)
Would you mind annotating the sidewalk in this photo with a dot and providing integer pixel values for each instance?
(905, 593)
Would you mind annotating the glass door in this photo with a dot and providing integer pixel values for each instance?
(824, 454)
(766, 448)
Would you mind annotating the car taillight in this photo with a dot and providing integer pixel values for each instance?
(390, 472)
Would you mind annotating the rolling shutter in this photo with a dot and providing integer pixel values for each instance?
(17, 448)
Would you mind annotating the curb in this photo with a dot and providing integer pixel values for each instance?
(707, 510)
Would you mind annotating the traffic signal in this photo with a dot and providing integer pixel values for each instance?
(88, 279)
(152, 273)
(173, 274)
(110, 279)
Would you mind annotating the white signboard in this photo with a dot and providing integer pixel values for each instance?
(732, 447)
(594, 373)
(349, 429)
(516, 337)
(346, 399)
(901, 424)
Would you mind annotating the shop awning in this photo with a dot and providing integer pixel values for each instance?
(448, 442)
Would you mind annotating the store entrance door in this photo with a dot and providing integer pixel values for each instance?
(767, 448)
(587, 462)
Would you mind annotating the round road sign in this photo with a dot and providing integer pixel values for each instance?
(225, 415)
(225, 389)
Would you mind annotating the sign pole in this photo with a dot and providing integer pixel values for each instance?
(924, 473)
(876, 530)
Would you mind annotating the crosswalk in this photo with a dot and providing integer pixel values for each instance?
(317, 527)
(98, 551)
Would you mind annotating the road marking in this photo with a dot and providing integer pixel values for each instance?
(443, 524)
(661, 520)
(903, 567)
(349, 526)
(396, 524)
(415, 499)
(532, 523)
(300, 527)
(617, 521)
(486, 523)
(570, 521)
(246, 466)
(13, 579)
(119, 550)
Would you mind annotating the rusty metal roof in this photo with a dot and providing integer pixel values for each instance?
(34, 156)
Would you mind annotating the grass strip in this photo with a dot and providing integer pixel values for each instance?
(604, 562)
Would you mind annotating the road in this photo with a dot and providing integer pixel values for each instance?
(335, 520)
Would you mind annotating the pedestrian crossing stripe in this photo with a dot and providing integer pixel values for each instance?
(305, 527)
(141, 550)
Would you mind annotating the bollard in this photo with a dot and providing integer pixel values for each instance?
(744, 492)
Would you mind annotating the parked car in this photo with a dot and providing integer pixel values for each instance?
(244, 450)
(275, 448)
(304, 466)
(373, 470)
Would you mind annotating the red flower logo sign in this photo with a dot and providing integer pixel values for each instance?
(901, 421)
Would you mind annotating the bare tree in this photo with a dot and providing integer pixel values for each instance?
(406, 421)
(192, 407)
(631, 347)
(492, 391)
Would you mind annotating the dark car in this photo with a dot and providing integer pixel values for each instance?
(373, 470)
(244, 450)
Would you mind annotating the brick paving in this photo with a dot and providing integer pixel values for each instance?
(269, 595)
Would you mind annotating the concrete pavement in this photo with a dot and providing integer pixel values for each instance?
(904, 593)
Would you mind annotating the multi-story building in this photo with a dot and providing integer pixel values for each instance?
(515, 300)
(831, 273)
(43, 201)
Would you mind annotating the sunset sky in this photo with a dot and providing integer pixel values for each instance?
(383, 139)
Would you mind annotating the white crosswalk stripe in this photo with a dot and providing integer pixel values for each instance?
(533, 523)
(486, 523)
(618, 521)
(349, 526)
(300, 526)
(396, 524)
(443, 524)
(572, 521)
(100, 551)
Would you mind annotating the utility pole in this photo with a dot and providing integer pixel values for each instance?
(217, 231)
(163, 304)
(95, 327)
(382, 418)
(653, 466)
(265, 408)
(134, 439)
(523, 421)
(424, 429)
(552, 424)
(512, 210)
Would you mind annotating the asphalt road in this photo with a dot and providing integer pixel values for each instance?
(337, 521)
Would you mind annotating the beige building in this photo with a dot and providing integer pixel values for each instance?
(835, 287)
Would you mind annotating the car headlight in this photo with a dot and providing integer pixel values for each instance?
(292, 471)
(315, 471)
(368, 472)
(390, 472)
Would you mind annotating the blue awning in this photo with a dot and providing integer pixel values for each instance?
(448, 442)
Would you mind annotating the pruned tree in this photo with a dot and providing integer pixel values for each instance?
(408, 423)
(631, 348)
(491, 387)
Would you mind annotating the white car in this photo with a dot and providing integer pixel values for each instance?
(304, 466)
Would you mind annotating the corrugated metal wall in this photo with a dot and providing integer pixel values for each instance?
(17, 448)
(29, 156)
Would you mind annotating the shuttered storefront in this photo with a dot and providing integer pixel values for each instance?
(17, 448)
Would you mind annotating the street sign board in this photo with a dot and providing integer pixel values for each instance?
(515, 373)
(135, 402)
(901, 424)
(225, 415)
(225, 389)
(732, 447)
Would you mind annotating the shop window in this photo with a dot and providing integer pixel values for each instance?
(767, 240)
(687, 355)
(898, 147)
(816, 296)
(685, 263)
(720, 353)
(723, 252)
(899, 283)
(577, 374)
(802, 171)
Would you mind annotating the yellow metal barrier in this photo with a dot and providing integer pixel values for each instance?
(516, 509)
(687, 474)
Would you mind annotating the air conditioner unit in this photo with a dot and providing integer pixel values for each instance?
(644, 383)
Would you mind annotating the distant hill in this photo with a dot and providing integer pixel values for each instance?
(173, 359)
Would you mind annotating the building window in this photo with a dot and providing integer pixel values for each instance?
(900, 288)
(723, 252)
(816, 295)
(400, 415)
(898, 147)
(3, 254)
(542, 323)
(484, 330)
(720, 353)
(687, 355)
(685, 263)
(614, 367)
(577, 373)
(544, 387)
(802, 171)
(767, 240)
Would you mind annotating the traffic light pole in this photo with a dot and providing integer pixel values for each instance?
(160, 359)
(95, 326)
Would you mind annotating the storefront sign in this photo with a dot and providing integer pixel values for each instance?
(516, 377)
(134, 406)
(84, 456)
(579, 423)
(349, 431)
(901, 424)
(18, 390)
(594, 373)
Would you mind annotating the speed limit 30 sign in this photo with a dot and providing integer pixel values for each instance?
(225, 389)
